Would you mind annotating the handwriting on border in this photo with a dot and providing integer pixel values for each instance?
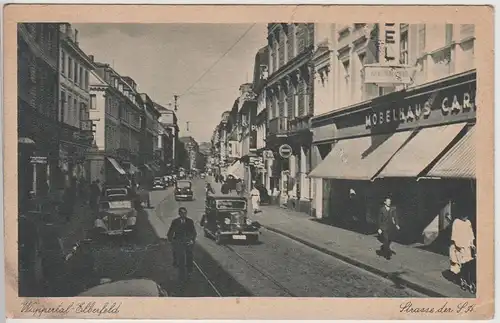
(82, 308)
(461, 308)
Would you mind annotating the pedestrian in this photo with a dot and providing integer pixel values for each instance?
(95, 194)
(387, 222)
(182, 234)
(255, 197)
(462, 244)
(239, 187)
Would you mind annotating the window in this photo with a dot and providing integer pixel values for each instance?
(70, 68)
(63, 105)
(76, 112)
(82, 84)
(86, 80)
(93, 103)
(403, 48)
(76, 73)
(421, 39)
(70, 109)
(449, 34)
(63, 62)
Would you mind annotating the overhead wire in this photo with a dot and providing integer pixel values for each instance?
(219, 59)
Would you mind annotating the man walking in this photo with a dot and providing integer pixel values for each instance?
(182, 234)
(387, 222)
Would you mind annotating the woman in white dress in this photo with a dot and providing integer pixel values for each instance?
(462, 243)
(255, 198)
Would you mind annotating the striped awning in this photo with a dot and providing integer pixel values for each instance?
(116, 165)
(360, 158)
(459, 161)
(421, 151)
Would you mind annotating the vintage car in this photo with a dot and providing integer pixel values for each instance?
(117, 214)
(183, 191)
(225, 219)
(159, 183)
(126, 288)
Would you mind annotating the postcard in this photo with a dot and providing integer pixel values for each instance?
(248, 161)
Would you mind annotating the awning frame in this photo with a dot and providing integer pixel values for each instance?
(116, 165)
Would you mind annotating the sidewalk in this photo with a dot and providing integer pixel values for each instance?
(418, 269)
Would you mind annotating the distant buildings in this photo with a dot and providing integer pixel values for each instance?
(80, 120)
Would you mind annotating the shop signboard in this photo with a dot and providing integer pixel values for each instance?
(38, 160)
(389, 42)
(387, 74)
(450, 101)
(285, 151)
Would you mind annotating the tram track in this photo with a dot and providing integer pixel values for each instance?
(249, 264)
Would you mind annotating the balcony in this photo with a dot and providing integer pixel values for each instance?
(278, 126)
(299, 124)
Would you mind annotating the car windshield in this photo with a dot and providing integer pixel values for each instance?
(231, 214)
(109, 205)
(183, 184)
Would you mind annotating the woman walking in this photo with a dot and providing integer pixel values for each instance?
(255, 197)
(461, 249)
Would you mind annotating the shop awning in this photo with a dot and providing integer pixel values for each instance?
(421, 150)
(117, 166)
(459, 161)
(360, 158)
(237, 170)
(148, 167)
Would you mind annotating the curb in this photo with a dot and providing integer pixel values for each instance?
(350, 260)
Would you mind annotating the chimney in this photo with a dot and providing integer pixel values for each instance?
(91, 57)
(76, 36)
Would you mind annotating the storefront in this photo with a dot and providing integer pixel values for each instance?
(405, 145)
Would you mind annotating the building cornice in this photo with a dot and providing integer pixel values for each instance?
(70, 45)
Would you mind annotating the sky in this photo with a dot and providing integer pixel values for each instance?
(167, 59)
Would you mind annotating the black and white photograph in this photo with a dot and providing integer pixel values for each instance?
(268, 159)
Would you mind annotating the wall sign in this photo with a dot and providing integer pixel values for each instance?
(451, 100)
(439, 105)
(389, 44)
(285, 151)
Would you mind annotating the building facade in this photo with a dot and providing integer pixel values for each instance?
(397, 120)
(74, 103)
(119, 122)
(192, 149)
(168, 121)
(289, 93)
(38, 124)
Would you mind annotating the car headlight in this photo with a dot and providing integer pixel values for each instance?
(227, 221)
(249, 222)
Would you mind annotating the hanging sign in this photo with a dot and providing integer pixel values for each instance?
(285, 151)
(38, 160)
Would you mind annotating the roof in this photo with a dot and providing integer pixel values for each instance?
(124, 288)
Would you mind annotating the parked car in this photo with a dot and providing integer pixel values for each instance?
(183, 190)
(159, 183)
(225, 219)
(126, 288)
(117, 214)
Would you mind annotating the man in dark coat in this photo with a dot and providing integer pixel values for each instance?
(387, 223)
(182, 234)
